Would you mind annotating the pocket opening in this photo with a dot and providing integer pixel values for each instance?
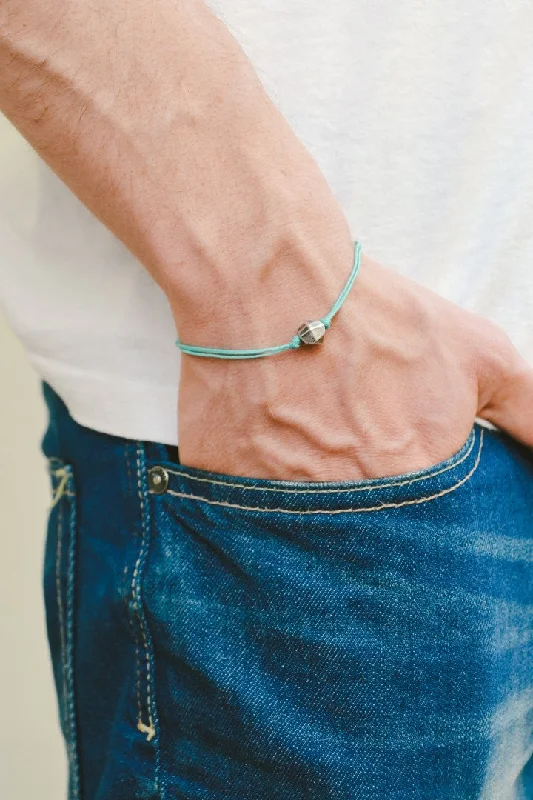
(296, 497)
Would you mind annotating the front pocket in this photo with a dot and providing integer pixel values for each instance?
(298, 626)
(59, 572)
(318, 497)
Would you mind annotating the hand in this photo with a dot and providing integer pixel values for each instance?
(394, 387)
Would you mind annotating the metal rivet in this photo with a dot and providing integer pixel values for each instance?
(158, 480)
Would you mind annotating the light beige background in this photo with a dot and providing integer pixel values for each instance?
(32, 764)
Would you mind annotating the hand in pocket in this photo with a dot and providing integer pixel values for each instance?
(395, 387)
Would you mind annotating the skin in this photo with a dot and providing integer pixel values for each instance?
(153, 116)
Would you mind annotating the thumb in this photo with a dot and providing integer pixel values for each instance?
(505, 382)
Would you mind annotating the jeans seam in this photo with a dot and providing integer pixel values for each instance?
(351, 510)
(386, 484)
(150, 729)
(69, 653)
(132, 610)
(60, 610)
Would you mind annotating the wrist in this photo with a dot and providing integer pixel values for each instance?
(282, 279)
(263, 409)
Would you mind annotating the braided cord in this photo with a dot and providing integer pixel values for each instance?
(295, 342)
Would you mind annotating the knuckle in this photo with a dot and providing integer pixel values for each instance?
(497, 359)
(497, 337)
(496, 346)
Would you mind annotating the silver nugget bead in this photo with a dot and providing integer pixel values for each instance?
(312, 332)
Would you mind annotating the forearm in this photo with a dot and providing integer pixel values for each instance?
(152, 114)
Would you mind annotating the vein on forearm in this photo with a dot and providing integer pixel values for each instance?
(154, 117)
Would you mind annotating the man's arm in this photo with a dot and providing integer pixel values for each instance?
(151, 113)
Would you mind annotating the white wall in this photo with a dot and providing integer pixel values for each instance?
(32, 763)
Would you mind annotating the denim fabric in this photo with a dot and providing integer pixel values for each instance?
(243, 639)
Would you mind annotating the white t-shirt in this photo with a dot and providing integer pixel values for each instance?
(420, 115)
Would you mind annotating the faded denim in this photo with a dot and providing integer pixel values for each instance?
(240, 639)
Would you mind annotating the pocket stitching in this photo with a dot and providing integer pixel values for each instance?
(148, 729)
(385, 484)
(66, 553)
(381, 507)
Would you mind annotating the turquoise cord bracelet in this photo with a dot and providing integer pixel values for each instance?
(308, 333)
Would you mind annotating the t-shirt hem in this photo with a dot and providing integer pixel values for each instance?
(135, 410)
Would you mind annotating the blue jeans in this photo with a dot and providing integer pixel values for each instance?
(222, 638)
